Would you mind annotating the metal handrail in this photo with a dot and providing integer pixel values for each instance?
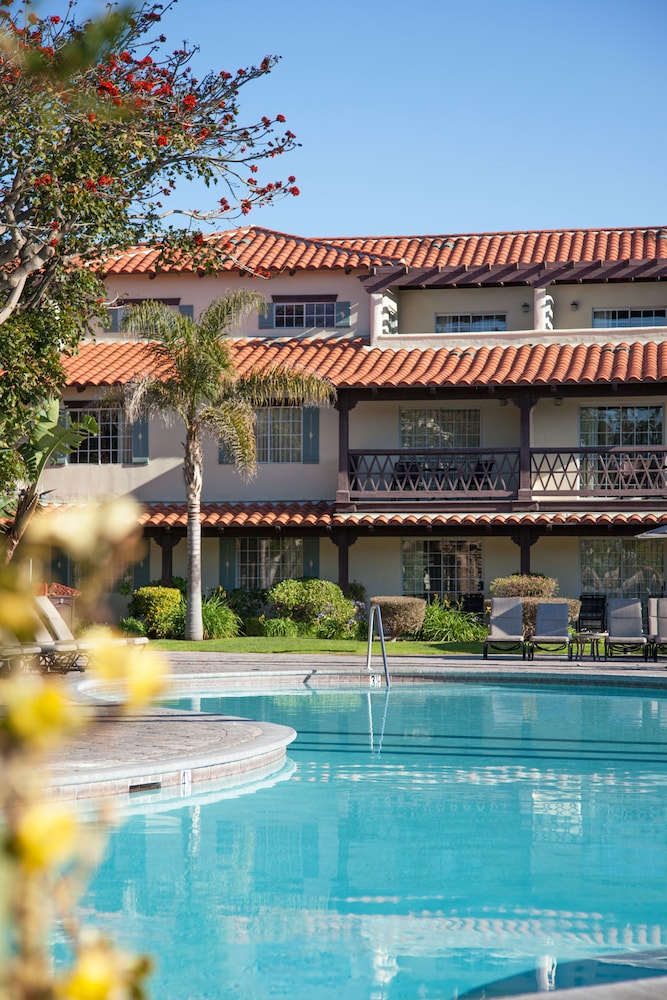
(373, 612)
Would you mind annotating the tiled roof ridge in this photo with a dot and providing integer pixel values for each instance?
(490, 233)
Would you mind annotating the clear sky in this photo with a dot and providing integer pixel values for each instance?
(448, 116)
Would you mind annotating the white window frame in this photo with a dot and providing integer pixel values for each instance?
(612, 319)
(279, 435)
(111, 446)
(302, 315)
(478, 322)
(261, 562)
(440, 427)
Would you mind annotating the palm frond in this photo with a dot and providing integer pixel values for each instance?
(281, 384)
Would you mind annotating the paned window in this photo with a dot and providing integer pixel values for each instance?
(279, 434)
(440, 428)
(608, 426)
(294, 315)
(265, 561)
(113, 444)
(441, 567)
(470, 322)
(622, 567)
(605, 318)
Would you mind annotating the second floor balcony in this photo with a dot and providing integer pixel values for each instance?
(502, 475)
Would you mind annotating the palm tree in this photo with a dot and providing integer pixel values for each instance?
(195, 379)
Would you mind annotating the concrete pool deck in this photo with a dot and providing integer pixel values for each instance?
(160, 746)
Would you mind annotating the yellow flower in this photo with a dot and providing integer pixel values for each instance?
(140, 672)
(37, 711)
(94, 977)
(46, 835)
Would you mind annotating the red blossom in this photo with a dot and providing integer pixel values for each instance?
(162, 140)
(54, 19)
(280, 118)
(189, 102)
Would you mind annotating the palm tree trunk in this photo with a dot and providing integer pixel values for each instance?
(193, 473)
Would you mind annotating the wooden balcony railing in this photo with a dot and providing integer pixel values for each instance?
(434, 474)
(618, 473)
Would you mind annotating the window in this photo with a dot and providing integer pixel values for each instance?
(116, 313)
(442, 567)
(470, 322)
(285, 434)
(622, 567)
(604, 318)
(265, 561)
(278, 431)
(113, 444)
(606, 426)
(292, 312)
(440, 428)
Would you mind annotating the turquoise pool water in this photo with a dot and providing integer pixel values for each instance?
(418, 843)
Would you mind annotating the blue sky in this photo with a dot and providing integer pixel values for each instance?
(446, 117)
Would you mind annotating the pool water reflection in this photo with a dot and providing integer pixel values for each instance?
(427, 841)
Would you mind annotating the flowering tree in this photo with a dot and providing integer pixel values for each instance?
(98, 121)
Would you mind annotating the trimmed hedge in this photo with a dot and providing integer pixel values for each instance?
(158, 608)
(401, 615)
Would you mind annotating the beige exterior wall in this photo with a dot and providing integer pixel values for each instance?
(644, 295)
(377, 424)
(200, 292)
(417, 309)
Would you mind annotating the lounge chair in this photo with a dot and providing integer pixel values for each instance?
(592, 614)
(57, 655)
(60, 630)
(551, 628)
(505, 626)
(657, 625)
(625, 628)
(16, 655)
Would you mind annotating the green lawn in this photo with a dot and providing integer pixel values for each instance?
(265, 644)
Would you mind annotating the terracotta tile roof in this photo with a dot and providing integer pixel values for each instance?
(322, 515)
(255, 249)
(252, 250)
(352, 364)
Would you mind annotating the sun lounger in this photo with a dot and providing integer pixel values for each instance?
(505, 627)
(657, 625)
(551, 628)
(19, 656)
(60, 630)
(624, 624)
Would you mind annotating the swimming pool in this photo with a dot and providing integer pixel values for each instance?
(421, 842)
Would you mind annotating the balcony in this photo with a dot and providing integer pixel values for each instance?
(484, 476)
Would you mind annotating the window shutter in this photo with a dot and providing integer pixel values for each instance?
(310, 447)
(63, 421)
(343, 310)
(188, 311)
(141, 572)
(140, 441)
(228, 563)
(266, 317)
(311, 557)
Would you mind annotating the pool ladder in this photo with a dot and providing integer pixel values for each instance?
(373, 613)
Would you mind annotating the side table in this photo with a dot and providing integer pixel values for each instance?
(596, 641)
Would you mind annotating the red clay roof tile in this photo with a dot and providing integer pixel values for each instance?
(352, 364)
(254, 249)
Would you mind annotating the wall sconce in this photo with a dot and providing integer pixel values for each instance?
(558, 400)
(503, 402)
(526, 307)
(574, 305)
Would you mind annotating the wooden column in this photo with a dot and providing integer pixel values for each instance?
(343, 490)
(166, 540)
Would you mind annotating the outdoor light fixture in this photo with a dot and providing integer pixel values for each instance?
(574, 305)
(558, 400)
(526, 307)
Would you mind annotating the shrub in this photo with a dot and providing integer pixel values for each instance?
(529, 609)
(253, 626)
(220, 621)
(158, 608)
(447, 623)
(304, 600)
(340, 620)
(281, 627)
(132, 626)
(401, 615)
(178, 582)
(525, 585)
(248, 603)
